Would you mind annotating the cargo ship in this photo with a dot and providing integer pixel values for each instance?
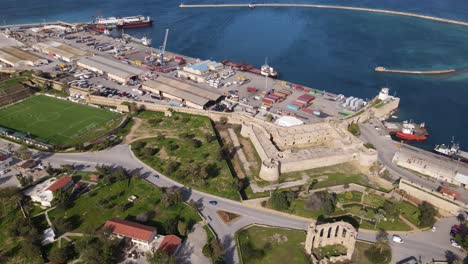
(266, 70)
(452, 151)
(407, 130)
(123, 22)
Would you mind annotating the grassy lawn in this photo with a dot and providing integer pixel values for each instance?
(297, 208)
(271, 245)
(349, 197)
(374, 200)
(13, 81)
(410, 212)
(180, 131)
(358, 255)
(56, 121)
(330, 251)
(90, 211)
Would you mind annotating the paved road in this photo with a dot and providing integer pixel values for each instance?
(387, 148)
(122, 156)
(422, 243)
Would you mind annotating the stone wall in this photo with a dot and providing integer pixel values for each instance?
(446, 204)
(54, 84)
(436, 166)
(339, 233)
(265, 137)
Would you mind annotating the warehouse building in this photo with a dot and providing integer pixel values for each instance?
(16, 57)
(114, 69)
(189, 95)
(60, 50)
(200, 70)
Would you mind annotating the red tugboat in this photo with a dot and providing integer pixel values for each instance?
(408, 130)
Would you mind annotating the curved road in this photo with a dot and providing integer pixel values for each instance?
(420, 243)
(121, 155)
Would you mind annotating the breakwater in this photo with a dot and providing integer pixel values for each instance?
(362, 9)
(432, 72)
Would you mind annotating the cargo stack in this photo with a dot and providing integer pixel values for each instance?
(252, 89)
(301, 102)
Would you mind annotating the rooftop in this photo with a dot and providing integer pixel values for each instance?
(111, 66)
(130, 229)
(170, 244)
(60, 183)
(14, 55)
(190, 97)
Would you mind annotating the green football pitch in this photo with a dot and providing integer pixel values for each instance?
(57, 121)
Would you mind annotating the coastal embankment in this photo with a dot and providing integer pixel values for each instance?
(351, 8)
(432, 72)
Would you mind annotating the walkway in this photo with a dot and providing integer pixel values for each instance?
(373, 10)
(240, 152)
(191, 249)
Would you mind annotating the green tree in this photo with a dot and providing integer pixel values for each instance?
(160, 257)
(62, 255)
(354, 129)
(328, 203)
(23, 153)
(67, 168)
(182, 228)
(171, 167)
(380, 251)
(391, 210)
(428, 213)
(280, 200)
(62, 199)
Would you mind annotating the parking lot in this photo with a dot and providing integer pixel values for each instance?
(244, 90)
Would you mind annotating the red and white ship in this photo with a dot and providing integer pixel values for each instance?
(408, 130)
(124, 22)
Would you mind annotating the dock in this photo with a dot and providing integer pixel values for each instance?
(432, 72)
(351, 8)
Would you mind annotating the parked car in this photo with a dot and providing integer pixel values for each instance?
(397, 239)
(454, 243)
(213, 202)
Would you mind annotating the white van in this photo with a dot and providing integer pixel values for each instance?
(397, 239)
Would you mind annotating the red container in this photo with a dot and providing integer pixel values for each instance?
(306, 98)
(251, 90)
(273, 97)
(308, 110)
(296, 103)
(178, 58)
(306, 90)
(267, 101)
(280, 95)
(297, 87)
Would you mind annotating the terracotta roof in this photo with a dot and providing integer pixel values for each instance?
(449, 192)
(130, 229)
(94, 177)
(60, 183)
(170, 244)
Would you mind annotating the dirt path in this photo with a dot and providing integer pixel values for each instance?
(138, 122)
(415, 228)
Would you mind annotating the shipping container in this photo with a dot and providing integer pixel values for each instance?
(298, 104)
(317, 112)
(306, 90)
(288, 92)
(305, 98)
(283, 83)
(273, 97)
(257, 98)
(292, 107)
(280, 95)
(267, 101)
(307, 110)
(251, 89)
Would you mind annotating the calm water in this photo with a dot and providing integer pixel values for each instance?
(326, 49)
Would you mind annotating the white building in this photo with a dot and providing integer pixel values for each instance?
(114, 69)
(43, 193)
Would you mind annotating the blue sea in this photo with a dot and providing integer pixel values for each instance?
(333, 50)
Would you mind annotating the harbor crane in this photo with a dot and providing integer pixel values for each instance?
(162, 48)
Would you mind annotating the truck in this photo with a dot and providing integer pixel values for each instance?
(251, 89)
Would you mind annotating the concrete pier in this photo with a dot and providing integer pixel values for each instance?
(372, 10)
(433, 72)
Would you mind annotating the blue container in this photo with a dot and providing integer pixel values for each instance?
(293, 107)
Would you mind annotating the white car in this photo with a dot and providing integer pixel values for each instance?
(454, 243)
(397, 239)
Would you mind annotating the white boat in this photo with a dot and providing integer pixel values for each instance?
(266, 70)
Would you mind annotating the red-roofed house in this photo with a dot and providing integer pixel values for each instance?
(63, 183)
(43, 192)
(446, 191)
(170, 244)
(139, 233)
